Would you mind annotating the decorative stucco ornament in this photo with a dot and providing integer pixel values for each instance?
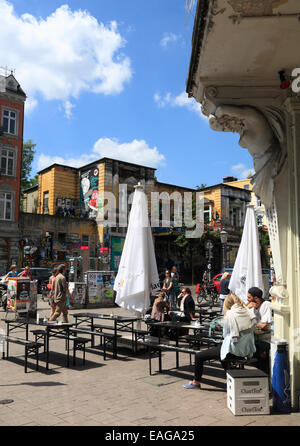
(263, 139)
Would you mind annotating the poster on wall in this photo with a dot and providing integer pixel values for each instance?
(94, 287)
(89, 183)
(77, 293)
(117, 244)
(100, 287)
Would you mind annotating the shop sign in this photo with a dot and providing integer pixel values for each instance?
(117, 244)
(74, 246)
(73, 238)
(84, 248)
(59, 246)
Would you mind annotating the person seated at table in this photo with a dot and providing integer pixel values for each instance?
(260, 308)
(238, 342)
(187, 306)
(160, 308)
(263, 314)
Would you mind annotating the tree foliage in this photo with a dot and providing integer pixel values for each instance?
(27, 159)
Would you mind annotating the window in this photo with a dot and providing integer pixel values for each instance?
(46, 203)
(5, 206)
(9, 122)
(7, 162)
(246, 186)
(85, 240)
(207, 216)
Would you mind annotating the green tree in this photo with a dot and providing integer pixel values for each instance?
(193, 249)
(27, 159)
(202, 186)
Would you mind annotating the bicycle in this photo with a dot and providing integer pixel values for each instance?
(208, 293)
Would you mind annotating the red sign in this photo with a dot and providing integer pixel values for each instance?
(103, 250)
(84, 248)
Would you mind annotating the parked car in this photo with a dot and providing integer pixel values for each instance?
(216, 281)
(41, 275)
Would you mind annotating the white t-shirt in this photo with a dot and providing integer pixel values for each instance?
(264, 313)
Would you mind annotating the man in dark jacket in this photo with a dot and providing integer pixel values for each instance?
(60, 295)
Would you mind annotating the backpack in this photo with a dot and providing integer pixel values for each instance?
(216, 323)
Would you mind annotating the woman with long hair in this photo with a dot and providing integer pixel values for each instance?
(159, 307)
(238, 342)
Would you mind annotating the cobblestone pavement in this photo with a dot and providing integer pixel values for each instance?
(115, 392)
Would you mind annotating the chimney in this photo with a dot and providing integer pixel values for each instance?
(229, 179)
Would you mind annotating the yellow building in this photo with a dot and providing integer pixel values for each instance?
(255, 200)
(226, 210)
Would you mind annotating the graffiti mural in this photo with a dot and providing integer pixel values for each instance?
(89, 182)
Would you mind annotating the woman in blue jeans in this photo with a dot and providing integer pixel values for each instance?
(238, 340)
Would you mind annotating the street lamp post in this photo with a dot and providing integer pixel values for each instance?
(224, 238)
(209, 247)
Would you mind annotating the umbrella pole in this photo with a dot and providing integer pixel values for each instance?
(138, 322)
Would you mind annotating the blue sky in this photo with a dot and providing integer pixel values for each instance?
(108, 78)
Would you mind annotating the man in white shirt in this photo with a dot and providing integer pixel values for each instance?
(263, 315)
(261, 308)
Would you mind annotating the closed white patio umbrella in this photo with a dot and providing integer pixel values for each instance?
(247, 270)
(137, 273)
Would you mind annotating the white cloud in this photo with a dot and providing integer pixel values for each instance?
(242, 171)
(63, 55)
(137, 152)
(47, 160)
(182, 100)
(68, 109)
(169, 38)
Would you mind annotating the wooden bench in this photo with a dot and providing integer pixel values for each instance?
(240, 363)
(108, 338)
(154, 347)
(40, 334)
(78, 343)
(30, 347)
(139, 335)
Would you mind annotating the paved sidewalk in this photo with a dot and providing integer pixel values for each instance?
(116, 392)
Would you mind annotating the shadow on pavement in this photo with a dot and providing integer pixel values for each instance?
(37, 384)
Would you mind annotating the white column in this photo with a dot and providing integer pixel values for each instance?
(292, 107)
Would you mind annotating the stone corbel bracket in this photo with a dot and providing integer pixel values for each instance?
(254, 96)
(280, 299)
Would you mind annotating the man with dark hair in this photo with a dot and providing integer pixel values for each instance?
(260, 307)
(263, 315)
(60, 294)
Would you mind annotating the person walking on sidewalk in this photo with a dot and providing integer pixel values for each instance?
(168, 288)
(60, 295)
(224, 290)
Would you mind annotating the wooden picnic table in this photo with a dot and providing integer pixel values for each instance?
(120, 324)
(52, 329)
